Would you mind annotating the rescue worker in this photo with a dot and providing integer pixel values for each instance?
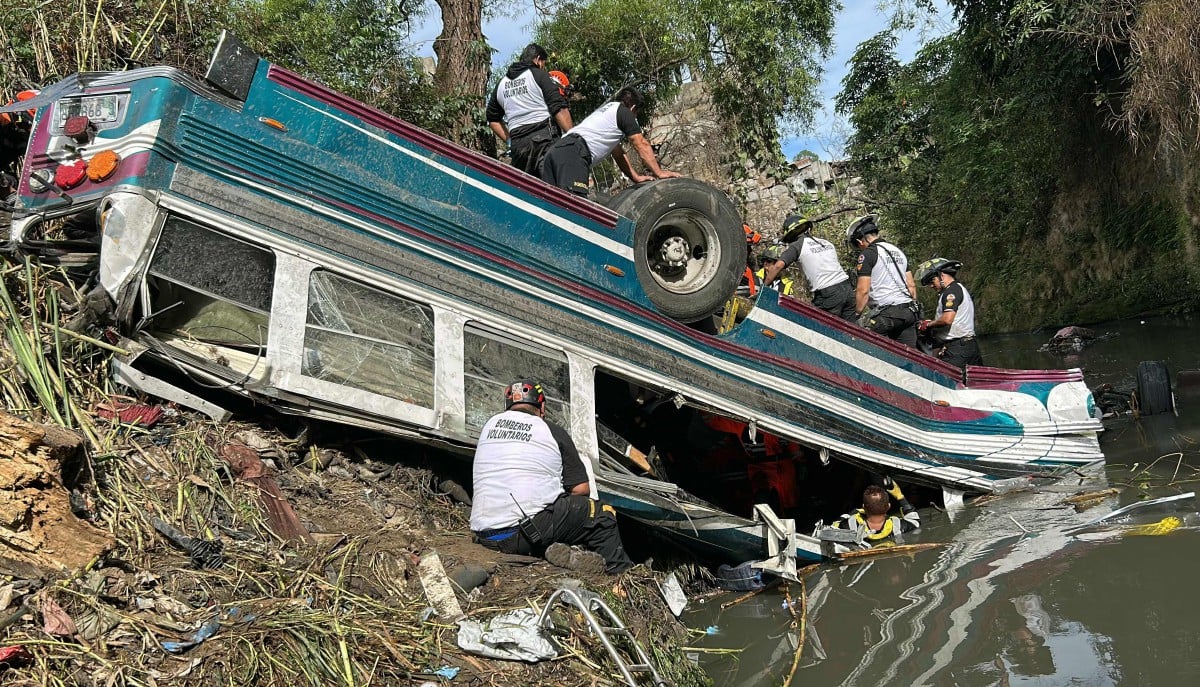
(522, 107)
(768, 256)
(14, 135)
(885, 297)
(750, 280)
(532, 493)
(954, 325)
(565, 89)
(570, 159)
(818, 259)
(872, 522)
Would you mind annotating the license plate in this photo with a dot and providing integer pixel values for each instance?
(99, 109)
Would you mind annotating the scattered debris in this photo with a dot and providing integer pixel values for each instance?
(469, 577)
(739, 578)
(55, 620)
(14, 656)
(455, 491)
(673, 594)
(513, 636)
(249, 467)
(207, 629)
(205, 553)
(1086, 500)
(129, 412)
(1169, 501)
(1112, 401)
(1165, 526)
(437, 587)
(1069, 340)
(887, 551)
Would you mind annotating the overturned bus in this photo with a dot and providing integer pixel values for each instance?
(263, 235)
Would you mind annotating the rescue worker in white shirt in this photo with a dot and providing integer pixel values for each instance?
(522, 107)
(831, 290)
(531, 488)
(872, 522)
(570, 159)
(954, 323)
(885, 298)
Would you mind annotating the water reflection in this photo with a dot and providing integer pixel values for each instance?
(1017, 596)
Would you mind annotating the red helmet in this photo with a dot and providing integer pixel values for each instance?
(564, 84)
(524, 391)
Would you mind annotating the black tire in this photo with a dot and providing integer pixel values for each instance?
(1154, 388)
(689, 247)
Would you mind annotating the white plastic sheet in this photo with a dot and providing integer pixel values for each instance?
(513, 636)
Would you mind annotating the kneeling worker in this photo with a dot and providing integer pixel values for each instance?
(954, 326)
(531, 490)
(831, 290)
(872, 522)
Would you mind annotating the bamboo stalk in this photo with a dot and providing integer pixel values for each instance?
(87, 339)
(750, 595)
(803, 632)
(887, 550)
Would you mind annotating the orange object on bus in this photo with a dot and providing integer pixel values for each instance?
(102, 165)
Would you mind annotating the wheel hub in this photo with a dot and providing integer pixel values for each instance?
(675, 251)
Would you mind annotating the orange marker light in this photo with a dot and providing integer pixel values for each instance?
(615, 270)
(768, 333)
(273, 123)
(102, 165)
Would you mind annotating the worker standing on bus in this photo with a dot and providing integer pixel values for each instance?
(885, 299)
(571, 158)
(522, 107)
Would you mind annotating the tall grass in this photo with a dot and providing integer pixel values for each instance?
(48, 375)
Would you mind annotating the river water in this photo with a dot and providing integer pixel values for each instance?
(1014, 597)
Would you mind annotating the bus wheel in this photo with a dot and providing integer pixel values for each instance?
(689, 247)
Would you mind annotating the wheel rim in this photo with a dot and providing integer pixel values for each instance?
(682, 251)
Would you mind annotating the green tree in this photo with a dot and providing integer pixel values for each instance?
(1004, 144)
(358, 47)
(761, 59)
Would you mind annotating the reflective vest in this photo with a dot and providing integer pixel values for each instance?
(786, 286)
(858, 521)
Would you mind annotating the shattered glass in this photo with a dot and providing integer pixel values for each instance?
(369, 340)
(207, 261)
(491, 363)
(209, 287)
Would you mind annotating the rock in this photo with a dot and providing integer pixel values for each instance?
(469, 576)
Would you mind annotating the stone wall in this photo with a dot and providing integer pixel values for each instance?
(690, 139)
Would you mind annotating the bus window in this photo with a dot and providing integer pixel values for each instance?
(366, 339)
(492, 361)
(207, 287)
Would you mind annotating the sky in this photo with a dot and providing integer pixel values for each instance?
(857, 21)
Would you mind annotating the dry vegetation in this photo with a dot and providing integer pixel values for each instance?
(346, 608)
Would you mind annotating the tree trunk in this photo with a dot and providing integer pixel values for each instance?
(38, 531)
(464, 60)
